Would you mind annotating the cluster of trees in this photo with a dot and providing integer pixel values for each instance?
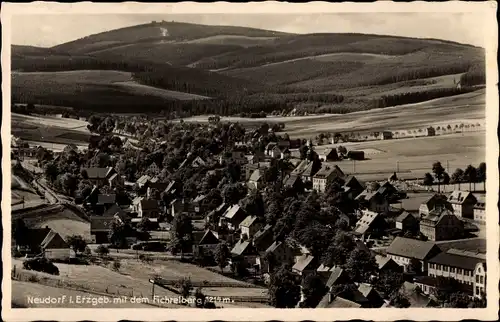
(415, 97)
(471, 175)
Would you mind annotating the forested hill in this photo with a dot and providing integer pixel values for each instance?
(251, 70)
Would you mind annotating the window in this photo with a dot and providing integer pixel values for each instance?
(478, 292)
(446, 268)
(452, 270)
(477, 278)
(481, 279)
(460, 271)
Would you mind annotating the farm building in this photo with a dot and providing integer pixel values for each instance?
(441, 224)
(329, 155)
(463, 203)
(356, 155)
(386, 135)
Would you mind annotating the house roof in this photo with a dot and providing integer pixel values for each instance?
(274, 246)
(299, 169)
(351, 181)
(366, 289)
(208, 238)
(337, 302)
(199, 198)
(324, 268)
(410, 248)
(454, 260)
(403, 216)
(308, 171)
(241, 248)
(291, 181)
(262, 233)
(97, 173)
(36, 236)
(415, 298)
(304, 262)
(107, 199)
(475, 245)
(248, 221)
(365, 222)
(230, 212)
(113, 176)
(271, 145)
(435, 216)
(50, 236)
(327, 170)
(459, 197)
(481, 201)
(101, 223)
(382, 260)
(137, 200)
(143, 179)
(149, 204)
(256, 175)
(337, 272)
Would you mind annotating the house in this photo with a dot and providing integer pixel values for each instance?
(281, 253)
(143, 181)
(463, 203)
(325, 176)
(117, 212)
(106, 200)
(153, 169)
(309, 172)
(300, 168)
(198, 204)
(257, 157)
(292, 182)
(337, 276)
(275, 152)
(47, 242)
(270, 147)
(417, 300)
(244, 250)
(441, 224)
(256, 179)
(251, 167)
(135, 204)
(352, 187)
(155, 187)
(207, 243)
(324, 271)
(263, 238)
(249, 226)
(115, 180)
(370, 224)
(464, 266)
(331, 301)
(198, 162)
(98, 176)
(374, 298)
(286, 154)
(233, 217)
(305, 265)
(436, 201)
(387, 264)
(403, 250)
(480, 209)
(407, 222)
(329, 155)
(389, 192)
(100, 227)
(217, 212)
(148, 208)
(284, 144)
(373, 201)
(386, 135)
(237, 157)
(429, 285)
(356, 155)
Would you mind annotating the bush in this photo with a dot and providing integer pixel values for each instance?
(116, 265)
(41, 265)
(102, 250)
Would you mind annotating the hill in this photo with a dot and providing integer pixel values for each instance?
(245, 70)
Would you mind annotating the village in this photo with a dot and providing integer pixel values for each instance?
(272, 221)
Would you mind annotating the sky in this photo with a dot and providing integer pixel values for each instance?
(49, 30)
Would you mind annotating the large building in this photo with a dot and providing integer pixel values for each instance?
(441, 224)
(326, 175)
(463, 203)
(404, 250)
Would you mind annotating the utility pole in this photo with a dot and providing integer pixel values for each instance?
(448, 166)
(397, 166)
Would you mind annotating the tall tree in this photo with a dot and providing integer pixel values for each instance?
(428, 179)
(313, 289)
(222, 255)
(470, 174)
(284, 290)
(439, 171)
(458, 177)
(361, 265)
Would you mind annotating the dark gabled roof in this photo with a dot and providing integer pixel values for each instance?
(36, 236)
(96, 173)
(435, 216)
(291, 181)
(299, 169)
(455, 260)
(106, 199)
(410, 248)
(327, 170)
(382, 260)
(149, 204)
(101, 223)
(403, 216)
(231, 212)
(337, 302)
(208, 238)
(477, 245)
(308, 171)
(337, 272)
(50, 236)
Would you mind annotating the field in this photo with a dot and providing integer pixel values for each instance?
(415, 156)
(468, 107)
(133, 278)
